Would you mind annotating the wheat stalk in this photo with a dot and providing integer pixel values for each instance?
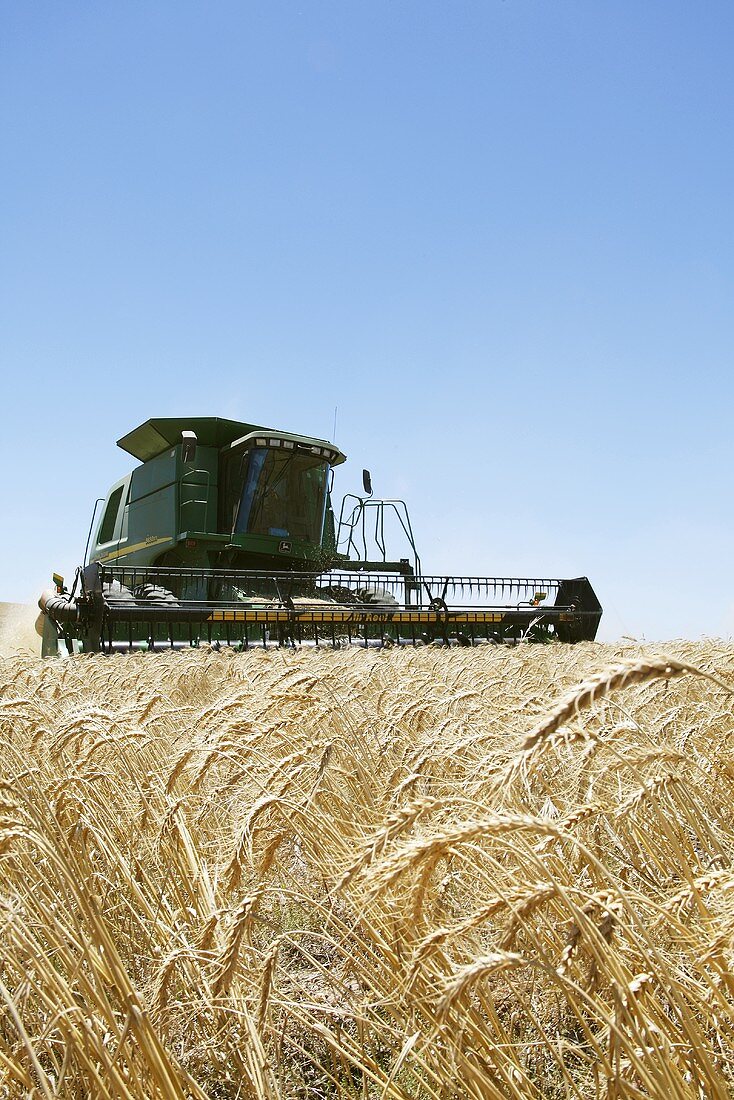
(499, 873)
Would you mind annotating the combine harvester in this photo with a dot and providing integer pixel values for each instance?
(225, 535)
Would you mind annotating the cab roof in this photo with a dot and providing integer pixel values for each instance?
(267, 437)
(155, 436)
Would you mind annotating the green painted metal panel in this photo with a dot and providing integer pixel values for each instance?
(154, 476)
(153, 517)
(198, 491)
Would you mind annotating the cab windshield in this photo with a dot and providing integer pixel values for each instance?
(283, 494)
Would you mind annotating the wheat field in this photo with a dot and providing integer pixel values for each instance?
(384, 874)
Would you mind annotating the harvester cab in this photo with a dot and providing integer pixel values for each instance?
(226, 534)
(219, 493)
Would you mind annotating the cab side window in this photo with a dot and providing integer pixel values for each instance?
(107, 526)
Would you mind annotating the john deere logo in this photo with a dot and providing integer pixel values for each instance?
(284, 547)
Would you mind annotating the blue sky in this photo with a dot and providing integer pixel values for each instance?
(497, 235)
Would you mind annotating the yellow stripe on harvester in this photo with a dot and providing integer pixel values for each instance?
(340, 615)
(136, 546)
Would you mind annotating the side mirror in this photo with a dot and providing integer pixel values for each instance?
(188, 447)
(367, 482)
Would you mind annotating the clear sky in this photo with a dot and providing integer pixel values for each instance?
(496, 234)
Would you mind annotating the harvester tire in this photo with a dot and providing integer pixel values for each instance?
(117, 592)
(377, 597)
(338, 593)
(153, 593)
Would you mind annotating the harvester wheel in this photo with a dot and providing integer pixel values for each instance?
(377, 597)
(338, 593)
(154, 593)
(116, 591)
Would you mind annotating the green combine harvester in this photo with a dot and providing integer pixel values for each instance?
(225, 535)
